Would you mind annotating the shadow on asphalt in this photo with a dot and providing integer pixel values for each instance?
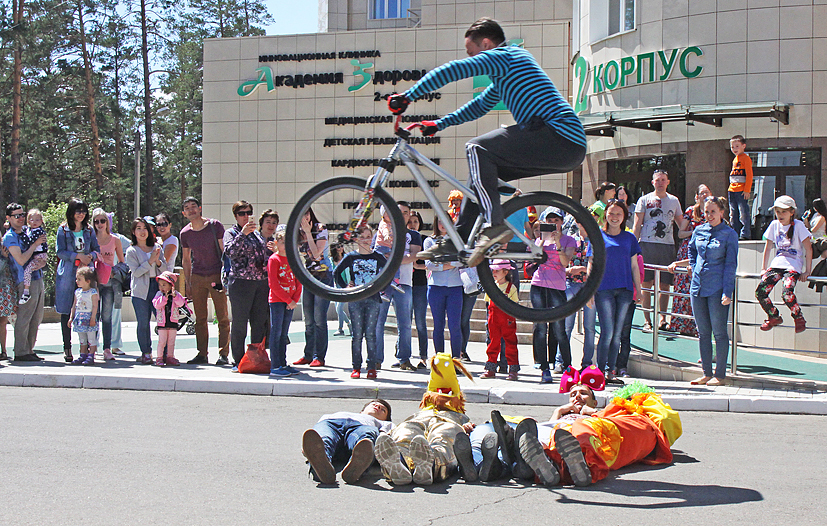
(677, 495)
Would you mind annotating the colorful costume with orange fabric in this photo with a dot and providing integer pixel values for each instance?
(641, 428)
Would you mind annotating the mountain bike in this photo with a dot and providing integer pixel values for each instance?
(344, 204)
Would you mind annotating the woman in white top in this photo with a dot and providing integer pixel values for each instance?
(163, 225)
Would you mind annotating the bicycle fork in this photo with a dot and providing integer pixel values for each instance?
(367, 205)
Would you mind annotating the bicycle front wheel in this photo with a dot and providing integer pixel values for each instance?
(515, 210)
(333, 205)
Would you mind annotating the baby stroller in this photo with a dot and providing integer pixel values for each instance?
(185, 317)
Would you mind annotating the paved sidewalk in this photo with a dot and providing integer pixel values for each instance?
(334, 379)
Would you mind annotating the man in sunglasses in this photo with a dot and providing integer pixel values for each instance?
(29, 314)
(202, 247)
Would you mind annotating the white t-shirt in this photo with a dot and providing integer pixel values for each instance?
(658, 216)
(170, 264)
(822, 230)
(789, 253)
(382, 425)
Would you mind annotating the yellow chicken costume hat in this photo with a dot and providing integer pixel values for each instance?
(443, 387)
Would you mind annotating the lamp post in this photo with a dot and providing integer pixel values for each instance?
(137, 173)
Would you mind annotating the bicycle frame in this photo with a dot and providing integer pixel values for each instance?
(411, 158)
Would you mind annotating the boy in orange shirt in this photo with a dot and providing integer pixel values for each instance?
(740, 185)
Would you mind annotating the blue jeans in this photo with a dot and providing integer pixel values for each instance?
(420, 314)
(589, 318)
(402, 304)
(626, 339)
(340, 435)
(363, 317)
(612, 306)
(314, 310)
(548, 337)
(468, 302)
(739, 214)
(341, 313)
(446, 301)
(107, 295)
(280, 318)
(143, 314)
(711, 318)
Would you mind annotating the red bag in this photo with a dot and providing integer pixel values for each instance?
(103, 271)
(256, 360)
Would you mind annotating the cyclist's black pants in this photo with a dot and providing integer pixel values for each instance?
(523, 150)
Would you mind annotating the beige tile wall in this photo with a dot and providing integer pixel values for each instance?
(268, 148)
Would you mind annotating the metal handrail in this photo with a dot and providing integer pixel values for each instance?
(733, 322)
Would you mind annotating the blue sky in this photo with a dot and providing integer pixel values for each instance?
(293, 16)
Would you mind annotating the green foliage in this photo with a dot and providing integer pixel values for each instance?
(54, 215)
(56, 160)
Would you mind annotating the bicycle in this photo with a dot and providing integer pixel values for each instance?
(364, 197)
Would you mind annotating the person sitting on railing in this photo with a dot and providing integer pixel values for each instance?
(792, 262)
(713, 258)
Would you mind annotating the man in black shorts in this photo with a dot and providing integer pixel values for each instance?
(654, 215)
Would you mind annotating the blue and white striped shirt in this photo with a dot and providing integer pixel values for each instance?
(516, 79)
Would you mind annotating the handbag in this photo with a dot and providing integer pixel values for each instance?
(256, 360)
(103, 270)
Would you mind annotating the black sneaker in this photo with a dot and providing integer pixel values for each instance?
(314, 451)
(27, 358)
(522, 469)
(406, 366)
(490, 463)
(443, 248)
(463, 356)
(487, 241)
(199, 359)
(532, 451)
(24, 298)
(465, 458)
(572, 454)
(222, 360)
(506, 445)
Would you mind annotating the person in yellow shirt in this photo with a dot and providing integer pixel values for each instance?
(740, 186)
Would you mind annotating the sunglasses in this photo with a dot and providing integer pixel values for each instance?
(244, 213)
(164, 224)
(101, 221)
(18, 216)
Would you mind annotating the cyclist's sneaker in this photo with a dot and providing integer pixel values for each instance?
(443, 248)
(487, 240)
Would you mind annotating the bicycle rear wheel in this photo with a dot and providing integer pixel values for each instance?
(539, 201)
(334, 203)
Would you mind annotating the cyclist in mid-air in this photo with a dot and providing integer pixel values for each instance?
(548, 137)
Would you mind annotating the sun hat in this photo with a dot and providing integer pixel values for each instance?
(500, 264)
(784, 201)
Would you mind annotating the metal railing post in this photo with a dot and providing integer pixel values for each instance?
(734, 367)
(655, 313)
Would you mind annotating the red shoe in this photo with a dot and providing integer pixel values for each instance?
(371, 374)
(800, 325)
(172, 360)
(512, 377)
(769, 323)
(317, 363)
(488, 374)
(301, 361)
(356, 373)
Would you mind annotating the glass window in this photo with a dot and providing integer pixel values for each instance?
(383, 9)
(610, 17)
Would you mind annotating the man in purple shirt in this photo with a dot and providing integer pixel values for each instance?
(202, 246)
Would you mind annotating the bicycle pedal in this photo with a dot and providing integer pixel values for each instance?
(493, 250)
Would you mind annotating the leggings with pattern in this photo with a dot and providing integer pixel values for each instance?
(27, 270)
(768, 281)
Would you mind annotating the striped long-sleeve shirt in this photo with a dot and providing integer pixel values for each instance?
(516, 79)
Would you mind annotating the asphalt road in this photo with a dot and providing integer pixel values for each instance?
(82, 456)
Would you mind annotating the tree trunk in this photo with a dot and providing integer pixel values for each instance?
(90, 98)
(150, 199)
(17, 74)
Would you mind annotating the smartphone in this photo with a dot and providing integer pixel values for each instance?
(548, 227)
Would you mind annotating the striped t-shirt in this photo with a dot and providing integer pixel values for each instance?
(516, 79)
